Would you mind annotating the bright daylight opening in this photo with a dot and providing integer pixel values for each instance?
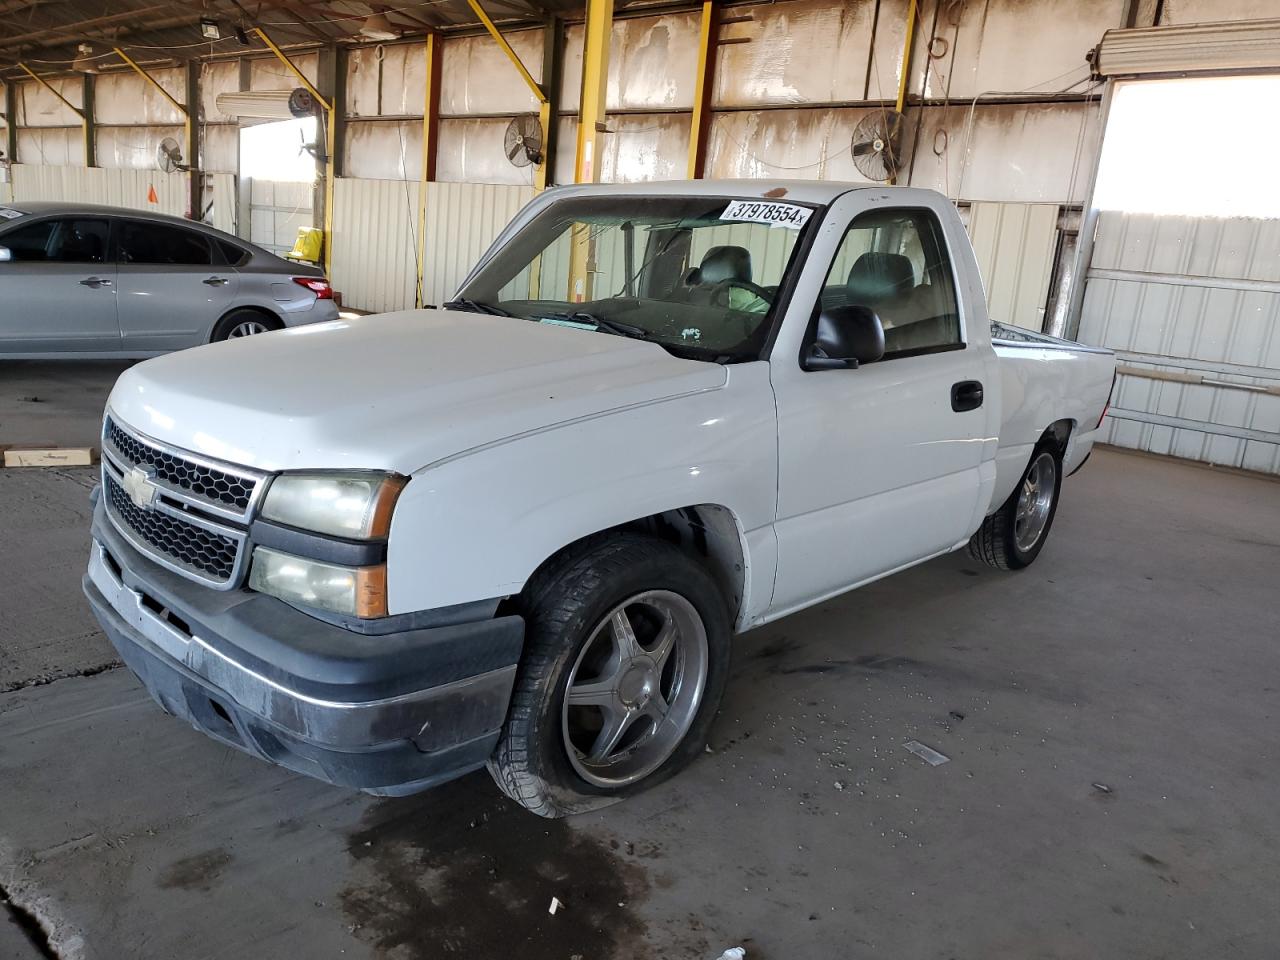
(1204, 147)
(277, 151)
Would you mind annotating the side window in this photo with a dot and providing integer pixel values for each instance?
(235, 256)
(142, 242)
(60, 241)
(896, 263)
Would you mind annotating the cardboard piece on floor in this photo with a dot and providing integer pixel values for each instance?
(50, 457)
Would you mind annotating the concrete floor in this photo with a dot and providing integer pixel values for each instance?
(54, 404)
(1109, 715)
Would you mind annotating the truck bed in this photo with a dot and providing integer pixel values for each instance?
(1043, 380)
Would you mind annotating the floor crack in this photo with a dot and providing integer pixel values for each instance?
(30, 925)
(47, 679)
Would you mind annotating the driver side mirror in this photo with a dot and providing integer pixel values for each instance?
(846, 337)
(5, 255)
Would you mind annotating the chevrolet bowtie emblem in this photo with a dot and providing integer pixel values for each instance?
(137, 484)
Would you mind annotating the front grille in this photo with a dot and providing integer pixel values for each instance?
(205, 552)
(216, 486)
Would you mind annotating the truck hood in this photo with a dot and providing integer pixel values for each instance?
(395, 391)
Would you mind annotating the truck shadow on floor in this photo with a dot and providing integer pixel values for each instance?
(462, 871)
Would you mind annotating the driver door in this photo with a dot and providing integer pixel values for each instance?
(878, 468)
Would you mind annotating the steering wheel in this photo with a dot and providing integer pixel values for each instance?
(720, 292)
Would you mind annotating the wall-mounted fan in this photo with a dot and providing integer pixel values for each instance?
(875, 144)
(523, 142)
(169, 156)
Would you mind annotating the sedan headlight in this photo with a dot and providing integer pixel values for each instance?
(356, 591)
(353, 504)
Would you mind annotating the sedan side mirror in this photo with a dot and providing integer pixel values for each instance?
(5, 254)
(846, 337)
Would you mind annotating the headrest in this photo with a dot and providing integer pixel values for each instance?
(725, 263)
(879, 276)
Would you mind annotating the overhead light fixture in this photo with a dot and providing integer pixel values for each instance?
(377, 27)
(242, 38)
(85, 63)
(209, 29)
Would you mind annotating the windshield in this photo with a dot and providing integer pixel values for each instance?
(698, 275)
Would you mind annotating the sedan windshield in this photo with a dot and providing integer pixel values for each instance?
(699, 276)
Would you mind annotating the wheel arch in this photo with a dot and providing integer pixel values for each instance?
(710, 533)
(243, 308)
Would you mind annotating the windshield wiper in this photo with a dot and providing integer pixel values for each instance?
(475, 306)
(604, 323)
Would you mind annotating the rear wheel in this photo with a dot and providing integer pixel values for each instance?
(626, 658)
(244, 323)
(1012, 537)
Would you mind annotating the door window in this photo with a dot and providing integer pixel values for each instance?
(158, 243)
(59, 241)
(896, 263)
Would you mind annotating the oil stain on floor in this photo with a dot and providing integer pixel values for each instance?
(460, 871)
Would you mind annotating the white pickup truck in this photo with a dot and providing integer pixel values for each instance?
(522, 530)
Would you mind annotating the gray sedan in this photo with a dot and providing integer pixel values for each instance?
(89, 281)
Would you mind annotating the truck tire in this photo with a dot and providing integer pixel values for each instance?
(625, 661)
(244, 323)
(1012, 537)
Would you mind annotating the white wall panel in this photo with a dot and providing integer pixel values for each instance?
(375, 243)
(653, 63)
(222, 76)
(58, 146)
(220, 148)
(133, 147)
(384, 150)
(1015, 245)
(644, 146)
(386, 80)
(477, 77)
(1197, 299)
(472, 151)
(783, 144)
(116, 188)
(268, 73)
(126, 98)
(37, 107)
(462, 221)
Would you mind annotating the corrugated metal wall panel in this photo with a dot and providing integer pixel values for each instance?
(1192, 306)
(6, 192)
(462, 220)
(224, 201)
(277, 209)
(1015, 244)
(117, 188)
(375, 261)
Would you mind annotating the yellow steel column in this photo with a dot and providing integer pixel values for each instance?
(591, 128)
(595, 82)
(329, 144)
(912, 7)
(702, 91)
(430, 124)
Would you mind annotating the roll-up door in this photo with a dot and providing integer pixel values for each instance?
(1195, 48)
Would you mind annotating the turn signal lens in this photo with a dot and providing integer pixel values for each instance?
(357, 591)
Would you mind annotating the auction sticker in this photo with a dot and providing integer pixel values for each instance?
(8, 214)
(788, 215)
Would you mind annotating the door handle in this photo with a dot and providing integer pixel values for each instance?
(215, 281)
(966, 395)
(95, 282)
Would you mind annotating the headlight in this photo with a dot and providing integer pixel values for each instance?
(357, 591)
(355, 504)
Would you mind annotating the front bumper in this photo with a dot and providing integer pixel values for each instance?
(388, 714)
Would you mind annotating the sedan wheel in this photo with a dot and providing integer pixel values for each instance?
(247, 328)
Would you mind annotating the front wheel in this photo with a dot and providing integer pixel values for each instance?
(1012, 537)
(626, 658)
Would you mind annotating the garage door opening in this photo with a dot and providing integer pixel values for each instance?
(1184, 275)
(1204, 147)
